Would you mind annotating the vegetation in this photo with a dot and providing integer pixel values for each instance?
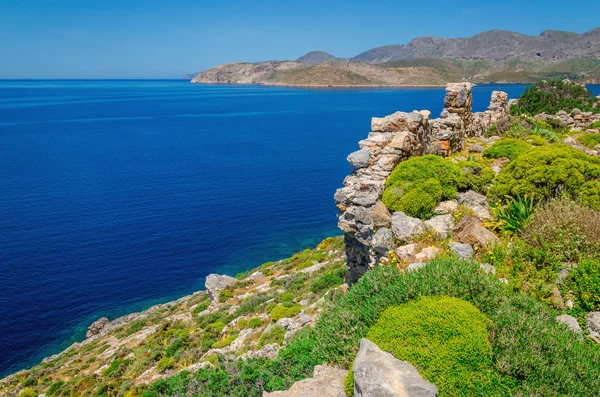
(584, 281)
(513, 216)
(476, 176)
(447, 340)
(551, 171)
(553, 96)
(589, 140)
(510, 148)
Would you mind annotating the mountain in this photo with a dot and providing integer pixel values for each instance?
(317, 57)
(492, 56)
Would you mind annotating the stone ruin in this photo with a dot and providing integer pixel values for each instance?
(364, 218)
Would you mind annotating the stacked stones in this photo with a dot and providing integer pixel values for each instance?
(576, 120)
(364, 218)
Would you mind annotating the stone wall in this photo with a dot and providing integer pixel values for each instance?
(363, 217)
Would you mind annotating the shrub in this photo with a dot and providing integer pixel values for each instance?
(328, 280)
(413, 198)
(589, 140)
(516, 131)
(555, 95)
(28, 393)
(446, 339)
(55, 388)
(535, 140)
(513, 216)
(566, 229)
(215, 328)
(225, 342)
(280, 312)
(477, 176)
(254, 322)
(349, 382)
(511, 148)
(165, 363)
(225, 295)
(584, 281)
(551, 171)
(275, 335)
(545, 133)
(242, 323)
(594, 125)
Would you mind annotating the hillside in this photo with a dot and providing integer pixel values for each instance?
(492, 56)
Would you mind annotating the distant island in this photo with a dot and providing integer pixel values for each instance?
(495, 56)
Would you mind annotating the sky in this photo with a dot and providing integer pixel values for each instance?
(167, 39)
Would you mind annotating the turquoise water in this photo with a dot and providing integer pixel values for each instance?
(117, 195)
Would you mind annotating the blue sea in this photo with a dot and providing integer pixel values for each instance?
(118, 195)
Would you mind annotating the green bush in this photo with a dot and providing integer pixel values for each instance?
(280, 312)
(446, 339)
(28, 393)
(589, 140)
(554, 95)
(594, 125)
(254, 322)
(225, 342)
(551, 171)
(225, 295)
(416, 185)
(584, 281)
(165, 363)
(349, 383)
(330, 279)
(511, 148)
(275, 335)
(55, 388)
(477, 176)
(215, 328)
(516, 131)
(535, 140)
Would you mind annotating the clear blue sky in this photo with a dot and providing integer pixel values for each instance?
(156, 39)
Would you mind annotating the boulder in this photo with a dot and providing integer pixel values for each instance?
(383, 240)
(97, 327)
(393, 123)
(570, 322)
(473, 148)
(592, 323)
(441, 224)
(360, 159)
(427, 254)
(215, 283)
(405, 227)
(380, 374)
(406, 252)
(470, 231)
(476, 202)
(326, 382)
(381, 215)
(446, 207)
(486, 267)
(463, 251)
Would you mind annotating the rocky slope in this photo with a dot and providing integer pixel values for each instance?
(493, 56)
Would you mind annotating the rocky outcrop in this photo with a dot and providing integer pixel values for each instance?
(326, 382)
(216, 283)
(379, 374)
(97, 327)
(570, 322)
(393, 139)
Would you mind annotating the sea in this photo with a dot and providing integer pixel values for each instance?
(116, 195)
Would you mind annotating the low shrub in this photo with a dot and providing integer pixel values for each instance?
(165, 363)
(416, 185)
(446, 339)
(349, 383)
(550, 171)
(275, 335)
(224, 342)
(589, 140)
(225, 295)
(594, 125)
(280, 312)
(535, 140)
(511, 148)
(28, 393)
(584, 281)
(566, 229)
(554, 95)
(330, 279)
(516, 131)
(476, 176)
(215, 328)
(254, 322)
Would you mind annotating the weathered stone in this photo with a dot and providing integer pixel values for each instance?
(360, 159)
(441, 224)
(379, 374)
(326, 382)
(463, 251)
(476, 202)
(557, 299)
(469, 231)
(97, 327)
(392, 123)
(383, 241)
(446, 207)
(215, 283)
(427, 254)
(490, 269)
(381, 215)
(476, 148)
(405, 227)
(570, 322)
(406, 252)
(592, 323)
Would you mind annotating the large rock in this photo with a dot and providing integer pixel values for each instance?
(97, 327)
(570, 322)
(326, 382)
(405, 227)
(427, 254)
(463, 251)
(592, 323)
(381, 215)
(476, 202)
(441, 224)
(470, 231)
(399, 121)
(446, 207)
(383, 241)
(406, 253)
(215, 283)
(379, 374)
(360, 159)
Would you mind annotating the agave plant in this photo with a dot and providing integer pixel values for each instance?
(513, 215)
